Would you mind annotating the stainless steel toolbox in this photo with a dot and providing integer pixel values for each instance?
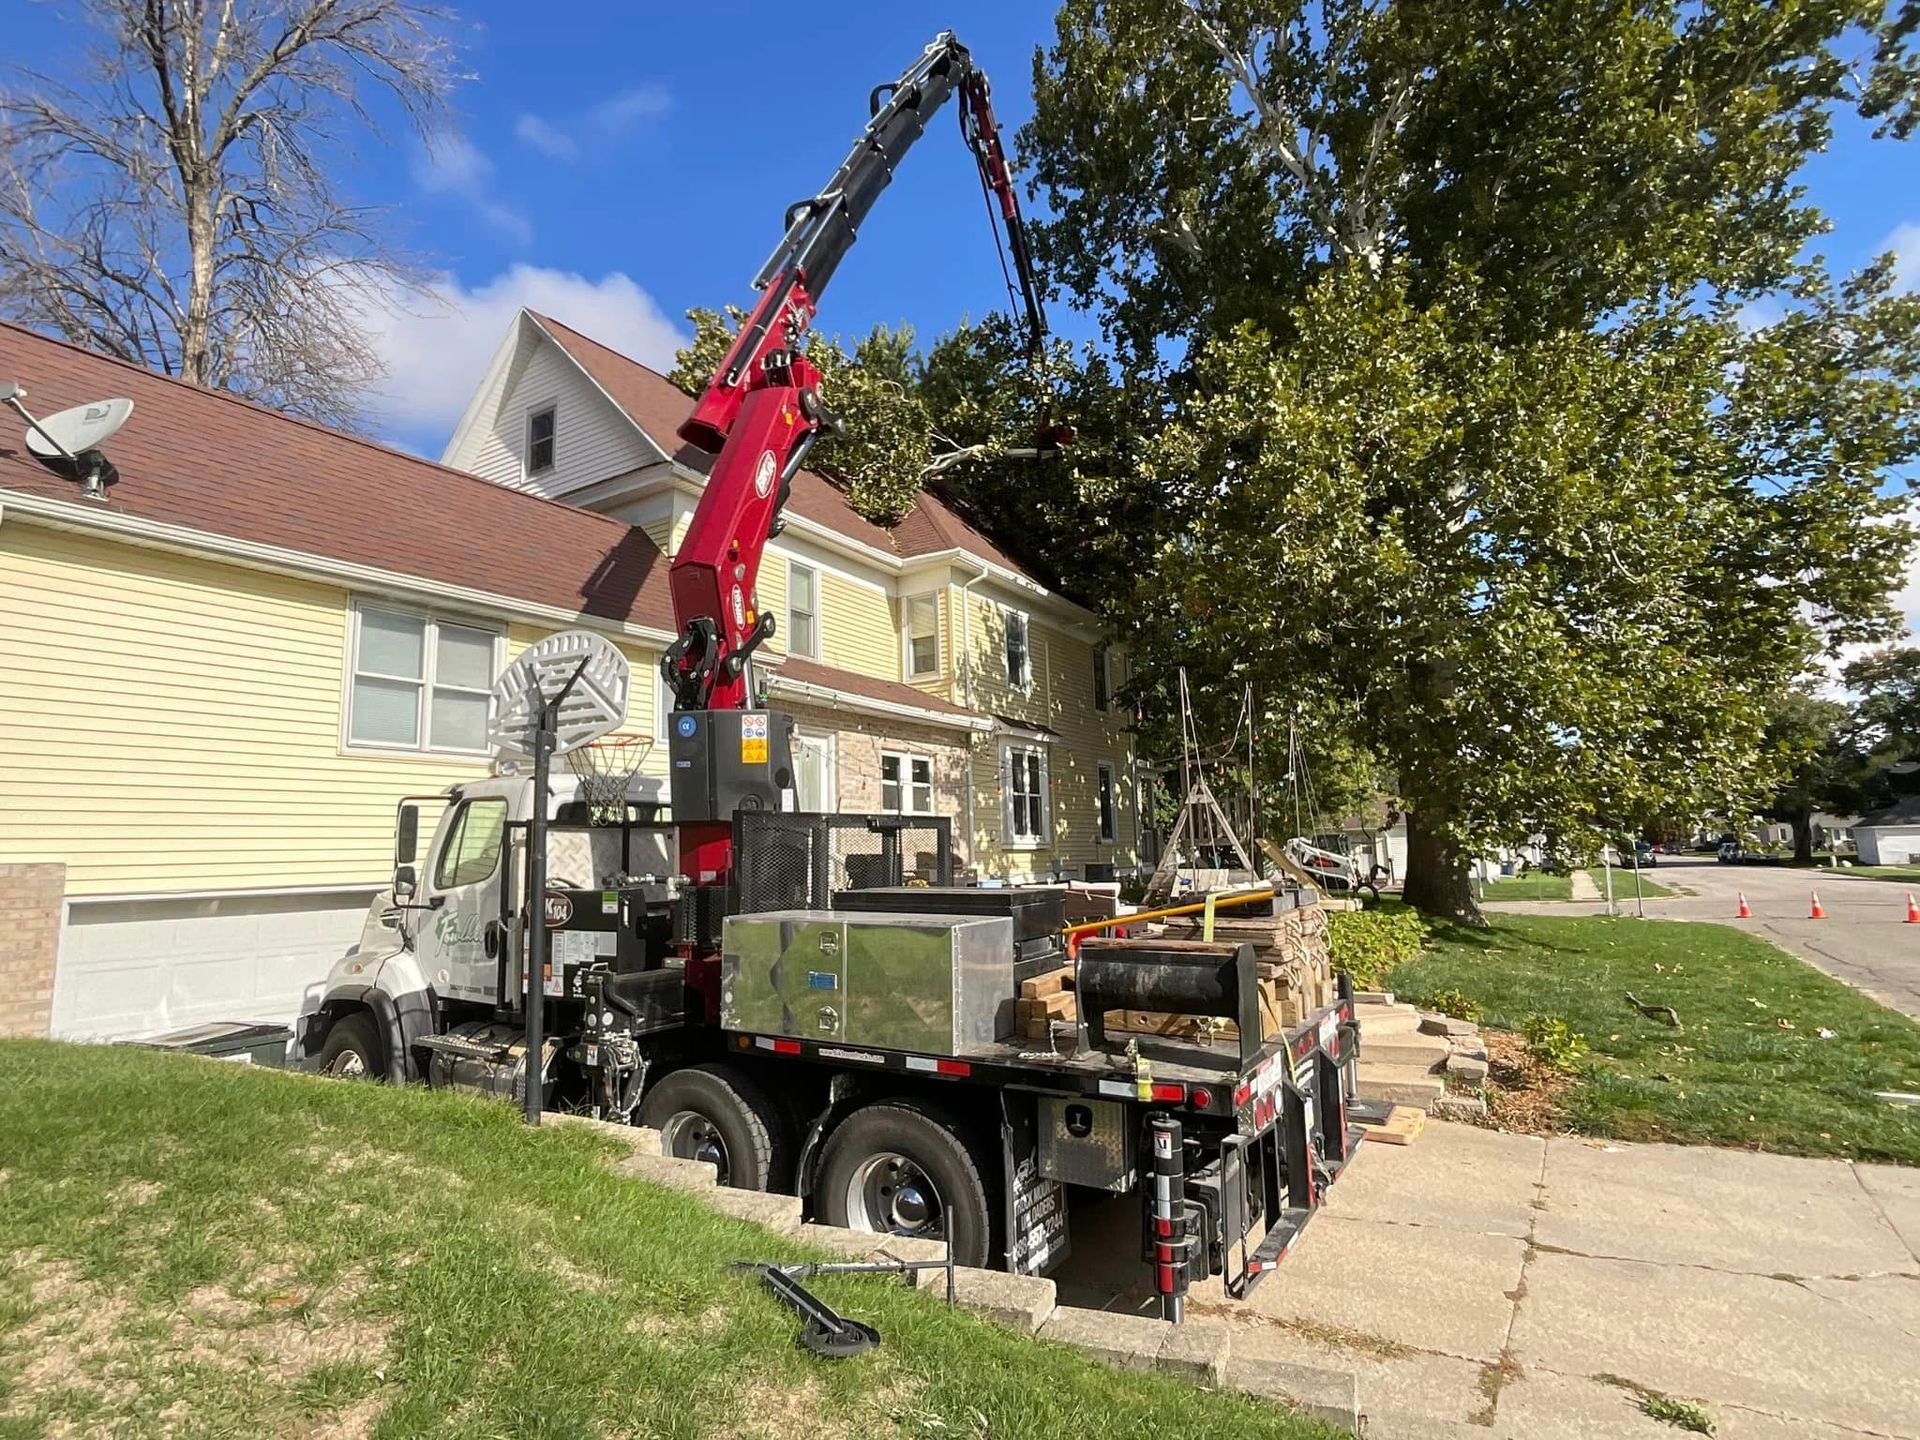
(936, 984)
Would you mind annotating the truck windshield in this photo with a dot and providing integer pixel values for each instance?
(473, 844)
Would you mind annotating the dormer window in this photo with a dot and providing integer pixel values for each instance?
(540, 440)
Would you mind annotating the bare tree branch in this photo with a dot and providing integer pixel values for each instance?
(174, 204)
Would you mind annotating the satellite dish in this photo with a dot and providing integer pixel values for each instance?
(76, 431)
(596, 705)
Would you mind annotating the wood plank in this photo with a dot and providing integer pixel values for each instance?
(1402, 1127)
(1052, 983)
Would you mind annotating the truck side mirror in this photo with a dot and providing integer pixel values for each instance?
(405, 883)
(406, 840)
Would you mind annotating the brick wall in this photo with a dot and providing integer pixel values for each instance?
(32, 898)
(858, 742)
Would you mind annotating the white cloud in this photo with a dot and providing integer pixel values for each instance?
(546, 137)
(619, 113)
(437, 347)
(450, 164)
(1905, 244)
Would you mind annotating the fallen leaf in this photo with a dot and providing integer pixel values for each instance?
(1784, 1023)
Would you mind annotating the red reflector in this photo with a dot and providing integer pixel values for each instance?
(1241, 1095)
(786, 1047)
(952, 1067)
(1175, 1093)
(1200, 1098)
(1163, 1228)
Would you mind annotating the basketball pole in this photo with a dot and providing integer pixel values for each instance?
(546, 738)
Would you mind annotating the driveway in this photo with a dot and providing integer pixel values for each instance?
(1864, 940)
(1502, 1287)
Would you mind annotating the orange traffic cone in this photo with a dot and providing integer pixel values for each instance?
(1745, 912)
(1913, 910)
(1815, 912)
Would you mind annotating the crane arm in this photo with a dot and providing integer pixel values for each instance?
(761, 412)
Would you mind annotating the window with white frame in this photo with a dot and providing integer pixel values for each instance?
(541, 438)
(814, 789)
(906, 783)
(1102, 678)
(420, 682)
(922, 636)
(803, 610)
(1019, 654)
(1109, 820)
(1024, 781)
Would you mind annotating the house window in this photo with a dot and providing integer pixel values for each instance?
(803, 610)
(906, 783)
(419, 683)
(1019, 658)
(1109, 827)
(1102, 683)
(814, 790)
(540, 430)
(1025, 774)
(473, 844)
(923, 636)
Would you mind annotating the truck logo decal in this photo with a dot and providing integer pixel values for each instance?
(763, 474)
(861, 1055)
(559, 908)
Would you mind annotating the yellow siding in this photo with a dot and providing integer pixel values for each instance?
(1060, 699)
(857, 630)
(174, 724)
(939, 683)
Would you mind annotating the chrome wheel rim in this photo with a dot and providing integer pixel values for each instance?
(689, 1135)
(888, 1194)
(348, 1065)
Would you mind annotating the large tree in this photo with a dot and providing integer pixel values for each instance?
(176, 202)
(1811, 743)
(1464, 412)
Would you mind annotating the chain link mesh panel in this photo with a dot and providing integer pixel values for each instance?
(797, 862)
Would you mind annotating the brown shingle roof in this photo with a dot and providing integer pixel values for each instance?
(894, 692)
(657, 406)
(216, 463)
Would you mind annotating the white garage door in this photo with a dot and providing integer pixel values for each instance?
(143, 967)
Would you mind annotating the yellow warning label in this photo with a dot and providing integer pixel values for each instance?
(753, 739)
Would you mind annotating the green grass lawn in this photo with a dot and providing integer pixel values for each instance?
(1535, 886)
(196, 1248)
(1650, 888)
(1905, 874)
(1734, 1075)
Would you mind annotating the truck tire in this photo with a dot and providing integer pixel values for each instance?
(896, 1168)
(717, 1114)
(353, 1049)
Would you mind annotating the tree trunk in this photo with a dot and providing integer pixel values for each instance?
(1437, 880)
(1803, 837)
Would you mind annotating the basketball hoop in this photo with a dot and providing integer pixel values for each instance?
(606, 768)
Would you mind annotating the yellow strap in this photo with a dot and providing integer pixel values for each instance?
(1206, 921)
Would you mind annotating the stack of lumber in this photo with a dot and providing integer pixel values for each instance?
(1296, 967)
(1045, 999)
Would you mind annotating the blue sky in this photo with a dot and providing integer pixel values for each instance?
(615, 163)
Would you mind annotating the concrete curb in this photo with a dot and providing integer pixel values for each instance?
(1199, 1350)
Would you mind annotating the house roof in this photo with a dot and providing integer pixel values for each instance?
(796, 670)
(657, 406)
(1904, 811)
(210, 461)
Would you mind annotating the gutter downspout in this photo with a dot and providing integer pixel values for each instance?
(966, 699)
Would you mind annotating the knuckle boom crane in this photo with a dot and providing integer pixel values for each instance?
(759, 417)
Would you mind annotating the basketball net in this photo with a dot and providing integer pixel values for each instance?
(606, 768)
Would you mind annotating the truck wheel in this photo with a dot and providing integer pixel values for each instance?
(899, 1168)
(715, 1113)
(353, 1050)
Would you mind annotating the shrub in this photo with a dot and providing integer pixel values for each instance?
(1553, 1043)
(1458, 1004)
(1369, 943)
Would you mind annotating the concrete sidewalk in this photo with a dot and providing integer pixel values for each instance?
(1485, 1285)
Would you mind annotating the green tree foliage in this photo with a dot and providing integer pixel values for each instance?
(1452, 410)
(1810, 743)
(1887, 683)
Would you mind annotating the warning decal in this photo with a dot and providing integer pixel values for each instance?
(753, 739)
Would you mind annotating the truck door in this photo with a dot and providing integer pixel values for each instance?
(461, 888)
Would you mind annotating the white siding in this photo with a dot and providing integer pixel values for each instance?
(592, 440)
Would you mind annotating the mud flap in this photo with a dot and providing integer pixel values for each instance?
(1035, 1208)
